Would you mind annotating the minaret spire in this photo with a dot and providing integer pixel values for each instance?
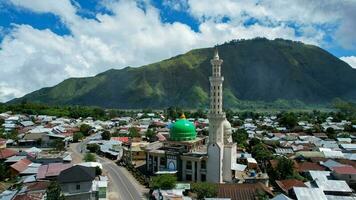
(216, 54)
(216, 80)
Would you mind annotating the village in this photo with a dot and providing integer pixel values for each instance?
(279, 156)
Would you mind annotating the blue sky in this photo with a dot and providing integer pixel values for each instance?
(53, 40)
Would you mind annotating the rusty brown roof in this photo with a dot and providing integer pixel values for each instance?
(286, 185)
(242, 191)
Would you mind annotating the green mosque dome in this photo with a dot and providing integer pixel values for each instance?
(183, 130)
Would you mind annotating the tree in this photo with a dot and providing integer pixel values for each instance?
(288, 120)
(98, 171)
(54, 192)
(260, 152)
(93, 148)
(254, 141)
(285, 168)
(89, 157)
(261, 195)
(133, 132)
(165, 182)
(240, 137)
(77, 136)
(58, 144)
(105, 135)
(330, 132)
(85, 129)
(150, 134)
(205, 190)
(4, 172)
(122, 123)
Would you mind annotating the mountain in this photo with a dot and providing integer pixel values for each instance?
(254, 70)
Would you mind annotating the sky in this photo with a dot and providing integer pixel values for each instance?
(43, 42)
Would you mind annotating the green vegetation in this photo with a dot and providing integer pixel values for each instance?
(240, 137)
(77, 136)
(330, 132)
(54, 191)
(150, 134)
(259, 74)
(98, 171)
(134, 132)
(260, 152)
(93, 148)
(89, 157)
(85, 129)
(285, 169)
(288, 120)
(4, 172)
(105, 135)
(165, 182)
(205, 190)
(58, 145)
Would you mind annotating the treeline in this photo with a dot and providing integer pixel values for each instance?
(63, 111)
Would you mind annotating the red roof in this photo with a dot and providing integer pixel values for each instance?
(288, 184)
(21, 165)
(307, 166)
(51, 170)
(30, 196)
(344, 169)
(39, 185)
(121, 139)
(6, 153)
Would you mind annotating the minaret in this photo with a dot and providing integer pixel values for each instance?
(216, 81)
(216, 118)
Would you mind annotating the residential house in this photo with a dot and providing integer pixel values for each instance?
(51, 171)
(7, 153)
(77, 183)
(345, 172)
(19, 166)
(33, 191)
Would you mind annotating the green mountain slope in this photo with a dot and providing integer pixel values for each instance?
(258, 69)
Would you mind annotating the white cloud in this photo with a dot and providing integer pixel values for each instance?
(62, 8)
(39, 58)
(178, 5)
(304, 13)
(351, 60)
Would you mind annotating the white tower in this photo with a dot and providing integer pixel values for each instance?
(221, 150)
(216, 117)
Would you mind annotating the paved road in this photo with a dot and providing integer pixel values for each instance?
(122, 184)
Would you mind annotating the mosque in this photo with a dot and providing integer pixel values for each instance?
(194, 158)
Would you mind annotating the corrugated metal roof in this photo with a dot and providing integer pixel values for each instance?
(319, 175)
(333, 186)
(333, 197)
(344, 169)
(21, 165)
(309, 193)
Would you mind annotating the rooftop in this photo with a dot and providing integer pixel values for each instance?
(346, 169)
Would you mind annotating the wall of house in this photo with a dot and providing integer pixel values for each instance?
(138, 155)
(350, 179)
(86, 196)
(73, 188)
